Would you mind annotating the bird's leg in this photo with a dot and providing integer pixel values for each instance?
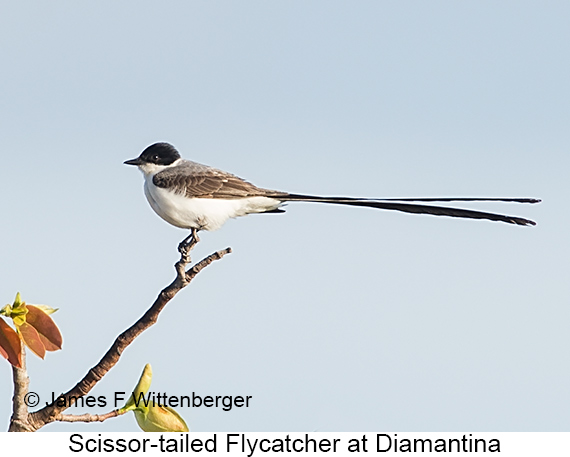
(185, 246)
(185, 241)
(189, 242)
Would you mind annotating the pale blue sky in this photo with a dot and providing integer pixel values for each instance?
(333, 319)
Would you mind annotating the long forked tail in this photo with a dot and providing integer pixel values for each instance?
(402, 204)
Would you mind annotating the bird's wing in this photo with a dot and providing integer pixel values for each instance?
(199, 181)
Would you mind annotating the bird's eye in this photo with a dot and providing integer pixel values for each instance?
(155, 157)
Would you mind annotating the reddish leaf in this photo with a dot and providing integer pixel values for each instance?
(32, 339)
(46, 328)
(10, 345)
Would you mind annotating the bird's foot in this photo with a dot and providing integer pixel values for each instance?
(189, 242)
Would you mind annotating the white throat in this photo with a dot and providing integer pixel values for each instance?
(150, 169)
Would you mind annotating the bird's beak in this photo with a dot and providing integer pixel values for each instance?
(136, 161)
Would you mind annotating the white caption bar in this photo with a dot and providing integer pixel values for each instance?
(256, 444)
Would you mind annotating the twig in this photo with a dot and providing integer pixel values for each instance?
(53, 411)
(87, 417)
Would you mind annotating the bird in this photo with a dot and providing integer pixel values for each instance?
(193, 196)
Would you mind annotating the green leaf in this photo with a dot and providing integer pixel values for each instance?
(141, 388)
(18, 314)
(6, 311)
(160, 419)
(152, 418)
(46, 309)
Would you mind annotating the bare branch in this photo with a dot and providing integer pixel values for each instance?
(19, 420)
(87, 417)
(53, 411)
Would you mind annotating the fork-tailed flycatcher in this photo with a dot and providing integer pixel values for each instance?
(193, 196)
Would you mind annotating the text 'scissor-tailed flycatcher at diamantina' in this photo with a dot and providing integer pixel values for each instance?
(197, 197)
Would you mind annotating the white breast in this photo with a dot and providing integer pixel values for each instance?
(202, 213)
